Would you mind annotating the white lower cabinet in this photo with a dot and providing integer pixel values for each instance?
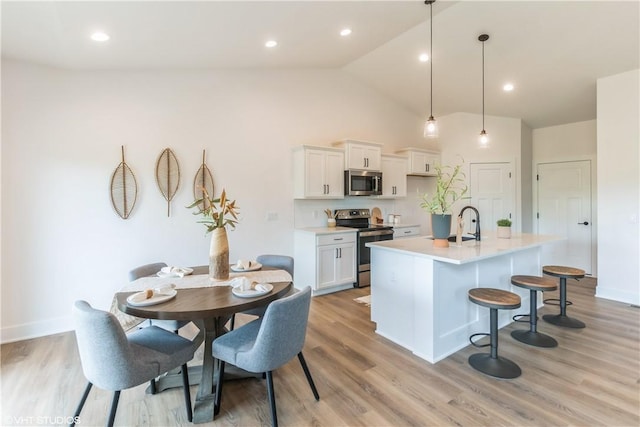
(326, 262)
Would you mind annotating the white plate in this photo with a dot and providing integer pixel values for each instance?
(157, 298)
(268, 287)
(185, 270)
(254, 266)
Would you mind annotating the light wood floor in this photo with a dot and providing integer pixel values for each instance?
(591, 379)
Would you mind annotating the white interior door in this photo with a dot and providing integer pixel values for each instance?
(492, 191)
(564, 209)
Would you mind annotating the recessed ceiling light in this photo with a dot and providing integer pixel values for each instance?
(271, 43)
(99, 36)
(424, 57)
(345, 32)
(508, 87)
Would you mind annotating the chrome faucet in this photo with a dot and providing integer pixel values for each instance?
(477, 233)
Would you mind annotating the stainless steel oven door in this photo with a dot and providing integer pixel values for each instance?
(364, 253)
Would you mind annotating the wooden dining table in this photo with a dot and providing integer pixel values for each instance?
(209, 308)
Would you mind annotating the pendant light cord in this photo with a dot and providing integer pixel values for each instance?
(483, 85)
(431, 58)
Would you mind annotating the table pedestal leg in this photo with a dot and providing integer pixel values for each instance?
(205, 399)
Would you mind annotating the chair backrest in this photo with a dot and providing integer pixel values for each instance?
(278, 261)
(104, 350)
(146, 270)
(282, 333)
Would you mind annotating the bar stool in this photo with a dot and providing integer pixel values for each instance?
(532, 336)
(490, 363)
(563, 273)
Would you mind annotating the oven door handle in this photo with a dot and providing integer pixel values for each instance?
(376, 233)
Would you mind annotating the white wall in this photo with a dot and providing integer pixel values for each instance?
(61, 136)
(573, 141)
(618, 108)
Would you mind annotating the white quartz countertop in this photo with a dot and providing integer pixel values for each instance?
(470, 250)
(327, 230)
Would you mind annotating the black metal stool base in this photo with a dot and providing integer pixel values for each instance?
(498, 367)
(565, 321)
(534, 338)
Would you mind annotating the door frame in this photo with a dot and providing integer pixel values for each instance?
(594, 201)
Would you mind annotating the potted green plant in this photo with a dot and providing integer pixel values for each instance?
(216, 215)
(504, 228)
(450, 187)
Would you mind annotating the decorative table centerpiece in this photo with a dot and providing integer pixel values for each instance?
(216, 215)
(450, 187)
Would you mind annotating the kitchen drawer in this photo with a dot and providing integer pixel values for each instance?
(336, 238)
(410, 231)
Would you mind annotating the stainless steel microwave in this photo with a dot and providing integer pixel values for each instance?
(362, 183)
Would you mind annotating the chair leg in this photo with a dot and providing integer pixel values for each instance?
(152, 386)
(187, 392)
(308, 375)
(272, 399)
(216, 406)
(81, 404)
(114, 407)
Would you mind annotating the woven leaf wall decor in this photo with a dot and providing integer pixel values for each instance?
(168, 176)
(203, 181)
(124, 189)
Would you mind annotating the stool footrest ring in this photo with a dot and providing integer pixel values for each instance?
(555, 301)
(518, 318)
(475, 344)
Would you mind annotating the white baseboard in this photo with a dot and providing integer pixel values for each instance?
(617, 295)
(36, 329)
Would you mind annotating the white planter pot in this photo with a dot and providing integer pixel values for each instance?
(504, 232)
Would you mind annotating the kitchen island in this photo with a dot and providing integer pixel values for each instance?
(419, 292)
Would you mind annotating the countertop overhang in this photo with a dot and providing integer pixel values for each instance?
(469, 251)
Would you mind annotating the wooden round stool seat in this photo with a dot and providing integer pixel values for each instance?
(535, 283)
(490, 363)
(563, 273)
(494, 298)
(532, 336)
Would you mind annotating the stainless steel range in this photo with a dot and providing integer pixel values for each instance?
(359, 218)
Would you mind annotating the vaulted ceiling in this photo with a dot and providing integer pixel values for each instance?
(552, 51)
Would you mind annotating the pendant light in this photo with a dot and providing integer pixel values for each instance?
(431, 126)
(484, 137)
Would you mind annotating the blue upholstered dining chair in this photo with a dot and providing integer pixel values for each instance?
(115, 361)
(265, 344)
(170, 325)
(283, 262)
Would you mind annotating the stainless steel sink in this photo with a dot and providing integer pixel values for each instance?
(464, 238)
(452, 238)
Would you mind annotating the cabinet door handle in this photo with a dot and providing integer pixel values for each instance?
(340, 252)
(426, 167)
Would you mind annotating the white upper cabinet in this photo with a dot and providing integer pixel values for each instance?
(394, 176)
(318, 173)
(421, 162)
(361, 155)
